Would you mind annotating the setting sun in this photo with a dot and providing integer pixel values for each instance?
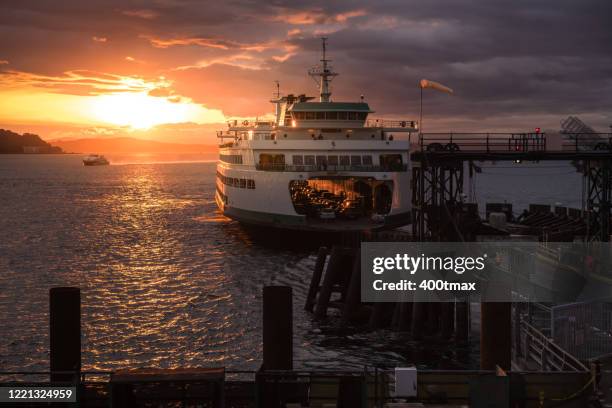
(141, 111)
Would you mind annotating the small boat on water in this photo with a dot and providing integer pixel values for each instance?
(95, 160)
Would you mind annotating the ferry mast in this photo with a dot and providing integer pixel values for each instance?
(323, 74)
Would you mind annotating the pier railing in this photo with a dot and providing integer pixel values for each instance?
(512, 142)
(483, 142)
(537, 348)
(584, 328)
(369, 387)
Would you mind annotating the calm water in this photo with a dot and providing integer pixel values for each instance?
(167, 281)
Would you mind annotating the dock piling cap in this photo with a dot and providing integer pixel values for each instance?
(64, 289)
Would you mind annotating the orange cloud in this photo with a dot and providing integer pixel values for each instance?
(316, 16)
(99, 39)
(3, 62)
(217, 43)
(79, 82)
(141, 13)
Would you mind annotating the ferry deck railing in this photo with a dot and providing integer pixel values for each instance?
(330, 168)
(386, 123)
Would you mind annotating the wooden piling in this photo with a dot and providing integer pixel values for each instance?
(419, 314)
(432, 321)
(316, 279)
(405, 316)
(351, 311)
(495, 335)
(65, 333)
(447, 320)
(462, 318)
(381, 315)
(329, 279)
(277, 328)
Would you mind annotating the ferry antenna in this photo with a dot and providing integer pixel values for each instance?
(324, 72)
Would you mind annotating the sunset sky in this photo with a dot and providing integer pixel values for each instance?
(174, 69)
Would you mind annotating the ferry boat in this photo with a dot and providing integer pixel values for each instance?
(319, 165)
(95, 160)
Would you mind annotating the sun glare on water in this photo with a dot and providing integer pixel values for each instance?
(142, 111)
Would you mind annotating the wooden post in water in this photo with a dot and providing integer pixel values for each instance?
(352, 304)
(495, 335)
(419, 314)
(316, 279)
(65, 333)
(405, 316)
(462, 317)
(330, 278)
(277, 328)
(447, 320)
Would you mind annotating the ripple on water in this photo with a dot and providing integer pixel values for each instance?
(166, 280)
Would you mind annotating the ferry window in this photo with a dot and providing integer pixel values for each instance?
(331, 115)
(321, 160)
(361, 115)
(356, 160)
(298, 160)
(352, 116)
(320, 115)
(332, 160)
(342, 115)
(345, 160)
(310, 116)
(231, 158)
(242, 183)
(297, 115)
(266, 158)
(391, 161)
(309, 160)
(367, 160)
(251, 184)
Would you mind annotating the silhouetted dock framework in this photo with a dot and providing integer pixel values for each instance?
(439, 165)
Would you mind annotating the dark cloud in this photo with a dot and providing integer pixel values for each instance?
(534, 60)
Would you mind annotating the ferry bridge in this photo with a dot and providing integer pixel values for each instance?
(439, 164)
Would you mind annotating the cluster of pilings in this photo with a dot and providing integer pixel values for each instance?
(336, 284)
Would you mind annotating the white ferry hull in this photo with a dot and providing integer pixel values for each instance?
(269, 204)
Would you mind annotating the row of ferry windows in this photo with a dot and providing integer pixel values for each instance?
(236, 182)
(311, 160)
(231, 158)
(329, 115)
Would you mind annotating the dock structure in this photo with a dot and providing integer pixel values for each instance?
(440, 161)
(277, 385)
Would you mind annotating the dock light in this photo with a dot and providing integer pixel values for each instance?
(537, 130)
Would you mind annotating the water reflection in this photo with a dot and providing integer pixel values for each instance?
(166, 280)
